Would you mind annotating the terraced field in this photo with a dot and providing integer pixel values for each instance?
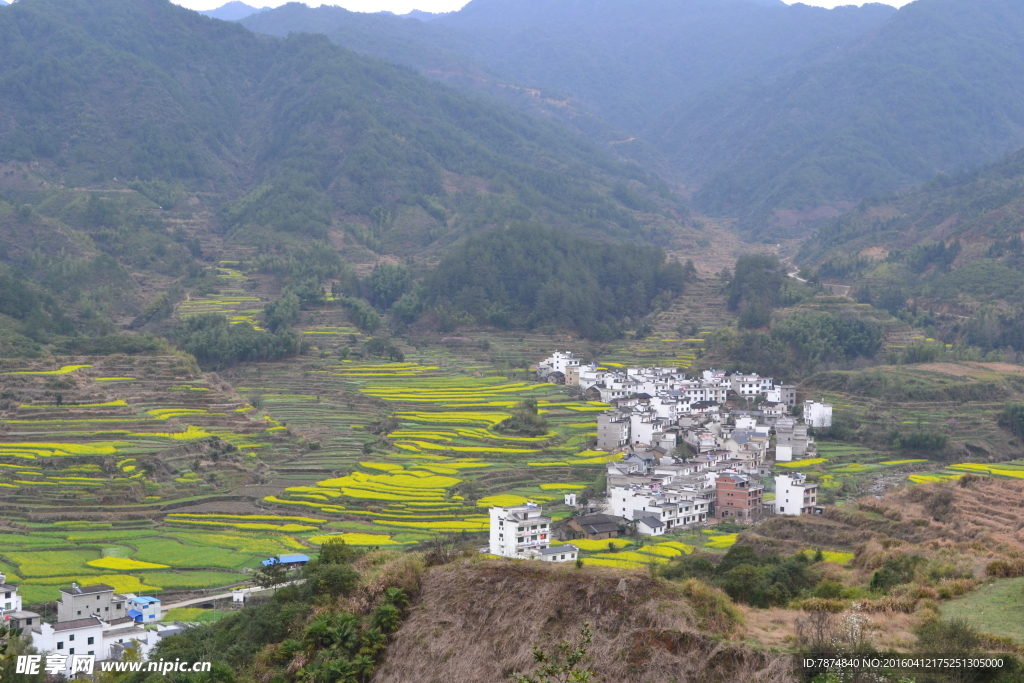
(960, 400)
(440, 462)
(146, 474)
(95, 454)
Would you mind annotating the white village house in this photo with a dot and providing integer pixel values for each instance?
(91, 620)
(524, 532)
(795, 496)
(11, 610)
(817, 415)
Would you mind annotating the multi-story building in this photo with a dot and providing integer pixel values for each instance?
(749, 386)
(738, 497)
(612, 430)
(519, 531)
(784, 394)
(646, 428)
(669, 506)
(144, 609)
(817, 415)
(791, 440)
(89, 633)
(557, 366)
(11, 611)
(747, 445)
(79, 602)
(795, 496)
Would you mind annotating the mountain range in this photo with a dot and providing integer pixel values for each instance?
(952, 245)
(139, 138)
(233, 11)
(151, 91)
(777, 115)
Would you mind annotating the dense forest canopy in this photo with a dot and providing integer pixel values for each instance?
(953, 244)
(530, 275)
(758, 106)
(296, 133)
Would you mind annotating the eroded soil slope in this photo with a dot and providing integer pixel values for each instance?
(478, 621)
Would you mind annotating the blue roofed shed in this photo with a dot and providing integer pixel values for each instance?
(287, 559)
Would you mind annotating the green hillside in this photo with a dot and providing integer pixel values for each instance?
(143, 142)
(626, 61)
(777, 115)
(937, 88)
(953, 246)
(148, 90)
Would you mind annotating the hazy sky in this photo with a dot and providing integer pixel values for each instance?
(403, 6)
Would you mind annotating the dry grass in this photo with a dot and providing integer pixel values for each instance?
(478, 621)
(776, 628)
(969, 523)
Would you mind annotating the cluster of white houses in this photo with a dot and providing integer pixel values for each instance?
(91, 620)
(728, 421)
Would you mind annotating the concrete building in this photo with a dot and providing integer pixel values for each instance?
(795, 496)
(11, 608)
(561, 363)
(79, 602)
(612, 430)
(738, 497)
(92, 636)
(560, 553)
(76, 636)
(784, 394)
(817, 415)
(646, 428)
(519, 531)
(747, 445)
(671, 507)
(749, 386)
(650, 526)
(791, 440)
(144, 609)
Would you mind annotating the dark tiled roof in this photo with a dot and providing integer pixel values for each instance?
(76, 623)
(598, 519)
(86, 590)
(555, 549)
(652, 522)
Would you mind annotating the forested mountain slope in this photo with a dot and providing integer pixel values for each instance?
(299, 135)
(953, 245)
(627, 61)
(937, 88)
(141, 142)
(777, 115)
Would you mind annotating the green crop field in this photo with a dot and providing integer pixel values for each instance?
(206, 475)
(193, 615)
(993, 608)
(175, 554)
